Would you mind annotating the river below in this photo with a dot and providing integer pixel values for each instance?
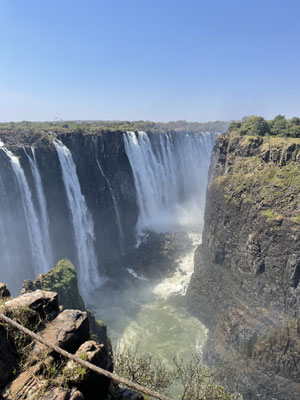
(152, 315)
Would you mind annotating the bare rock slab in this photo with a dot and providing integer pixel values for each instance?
(68, 331)
(44, 303)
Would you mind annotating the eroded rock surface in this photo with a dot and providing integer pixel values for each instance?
(245, 287)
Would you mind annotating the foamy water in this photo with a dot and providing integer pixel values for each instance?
(152, 318)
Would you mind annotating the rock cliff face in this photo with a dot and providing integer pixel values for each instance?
(245, 287)
(104, 149)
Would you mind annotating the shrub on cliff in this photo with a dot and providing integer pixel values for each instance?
(193, 379)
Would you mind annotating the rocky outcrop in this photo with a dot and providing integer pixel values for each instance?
(92, 385)
(67, 331)
(28, 369)
(158, 253)
(245, 287)
(45, 304)
(62, 279)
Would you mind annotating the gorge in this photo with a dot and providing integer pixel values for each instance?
(127, 208)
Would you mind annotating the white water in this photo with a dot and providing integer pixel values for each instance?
(83, 225)
(170, 178)
(43, 206)
(118, 218)
(148, 316)
(170, 175)
(39, 258)
(4, 247)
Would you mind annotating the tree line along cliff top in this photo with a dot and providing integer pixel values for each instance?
(27, 132)
(258, 126)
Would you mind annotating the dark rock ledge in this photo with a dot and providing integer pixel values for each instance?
(28, 369)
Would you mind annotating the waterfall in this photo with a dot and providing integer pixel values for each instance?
(170, 174)
(3, 243)
(82, 221)
(39, 258)
(42, 204)
(118, 218)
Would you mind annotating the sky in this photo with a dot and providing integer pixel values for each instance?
(156, 60)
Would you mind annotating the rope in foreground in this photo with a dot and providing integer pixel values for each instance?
(86, 364)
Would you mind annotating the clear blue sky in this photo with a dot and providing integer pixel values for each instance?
(149, 59)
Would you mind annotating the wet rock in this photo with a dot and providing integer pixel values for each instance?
(68, 330)
(157, 255)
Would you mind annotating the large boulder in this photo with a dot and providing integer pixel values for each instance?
(42, 302)
(68, 330)
(92, 384)
(62, 279)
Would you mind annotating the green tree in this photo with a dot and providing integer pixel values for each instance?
(278, 126)
(254, 125)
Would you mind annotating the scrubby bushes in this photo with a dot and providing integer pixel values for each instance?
(258, 126)
(193, 379)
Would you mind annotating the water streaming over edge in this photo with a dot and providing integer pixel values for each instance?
(42, 204)
(83, 225)
(39, 257)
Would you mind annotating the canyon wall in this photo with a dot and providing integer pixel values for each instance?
(87, 195)
(88, 152)
(245, 287)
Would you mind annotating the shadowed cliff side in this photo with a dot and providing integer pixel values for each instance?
(245, 287)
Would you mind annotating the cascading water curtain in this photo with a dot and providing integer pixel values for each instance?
(42, 204)
(39, 253)
(89, 278)
(170, 174)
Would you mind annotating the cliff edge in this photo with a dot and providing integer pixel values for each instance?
(245, 287)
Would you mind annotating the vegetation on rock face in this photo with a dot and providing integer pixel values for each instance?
(258, 126)
(263, 172)
(62, 279)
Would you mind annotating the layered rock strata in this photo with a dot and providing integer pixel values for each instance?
(245, 287)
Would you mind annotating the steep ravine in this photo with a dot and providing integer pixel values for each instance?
(245, 287)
